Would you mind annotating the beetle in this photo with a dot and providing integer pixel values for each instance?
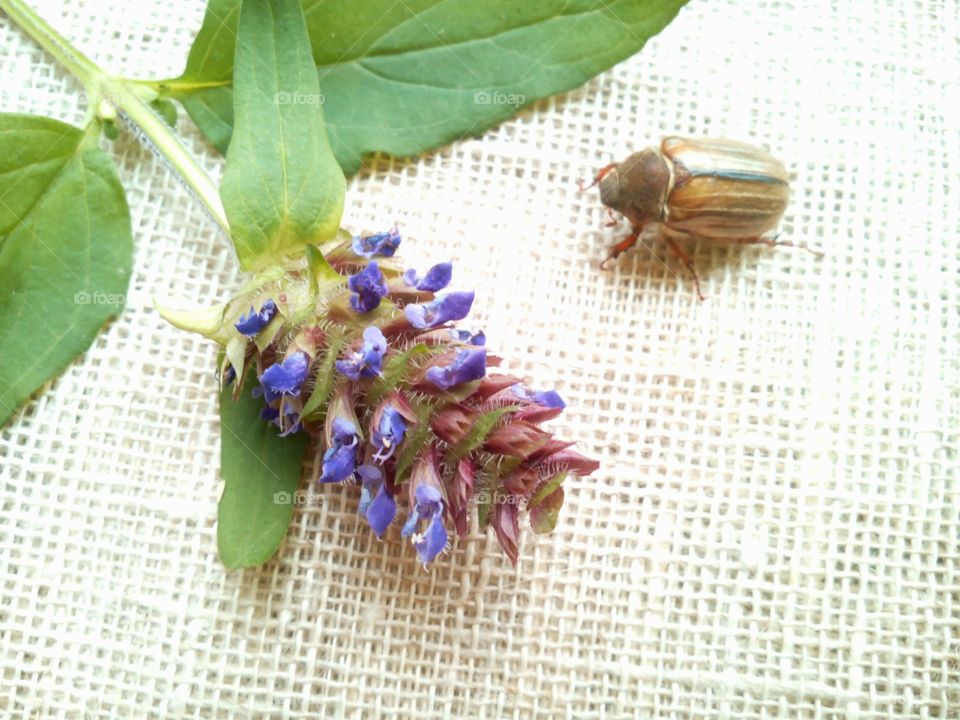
(712, 189)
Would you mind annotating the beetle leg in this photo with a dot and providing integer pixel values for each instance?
(599, 176)
(628, 242)
(613, 219)
(678, 251)
(774, 242)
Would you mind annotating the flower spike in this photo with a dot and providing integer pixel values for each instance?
(402, 402)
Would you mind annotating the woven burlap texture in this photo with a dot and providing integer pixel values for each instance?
(774, 531)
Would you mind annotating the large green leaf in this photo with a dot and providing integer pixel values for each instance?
(65, 250)
(405, 77)
(261, 471)
(282, 188)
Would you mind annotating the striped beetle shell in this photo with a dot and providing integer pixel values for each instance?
(719, 189)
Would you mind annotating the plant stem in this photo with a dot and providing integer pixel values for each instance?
(126, 98)
(119, 94)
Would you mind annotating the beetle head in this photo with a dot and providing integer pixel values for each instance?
(642, 186)
(610, 189)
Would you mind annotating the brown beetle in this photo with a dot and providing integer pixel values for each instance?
(700, 188)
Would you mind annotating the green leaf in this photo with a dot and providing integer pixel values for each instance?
(165, 109)
(212, 110)
(261, 471)
(406, 77)
(65, 250)
(282, 188)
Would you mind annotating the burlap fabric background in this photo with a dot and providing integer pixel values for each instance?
(774, 531)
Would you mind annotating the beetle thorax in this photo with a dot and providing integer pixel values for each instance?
(638, 187)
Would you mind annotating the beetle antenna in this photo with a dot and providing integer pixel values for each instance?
(599, 176)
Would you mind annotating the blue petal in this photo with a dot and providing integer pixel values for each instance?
(351, 368)
(427, 496)
(340, 460)
(433, 541)
(365, 498)
(368, 287)
(292, 420)
(371, 478)
(253, 322)
(465, 336)
(343, 430)
(389, 434)
(467, 366)
(269, 414)
(381, 512)
(285, 378)
(446, 308)
(339, 463)
(547, 398)
(367, 362)
(383, 244)
(411, 524)
(437, 278)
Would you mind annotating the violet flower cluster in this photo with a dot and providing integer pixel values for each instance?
(407, 405)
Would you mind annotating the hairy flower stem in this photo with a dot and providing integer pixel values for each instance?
(129, 97)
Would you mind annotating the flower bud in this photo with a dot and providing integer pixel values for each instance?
(452, 423)
(505, 523)
(461, 490)
(517, 439)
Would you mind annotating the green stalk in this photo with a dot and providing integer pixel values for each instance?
(126, 97)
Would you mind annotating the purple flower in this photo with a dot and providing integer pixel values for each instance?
(253, 322)
(289, 422)
(437, 278)
(368, 361)
(468, 365)
(368, 286)
(467, 337)
(285, 378)
(388, 434)
(382, 244)
(446, 308)
(547, 398)
(340, 459)
(427, 513)
(424, 525)
(376, 503)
